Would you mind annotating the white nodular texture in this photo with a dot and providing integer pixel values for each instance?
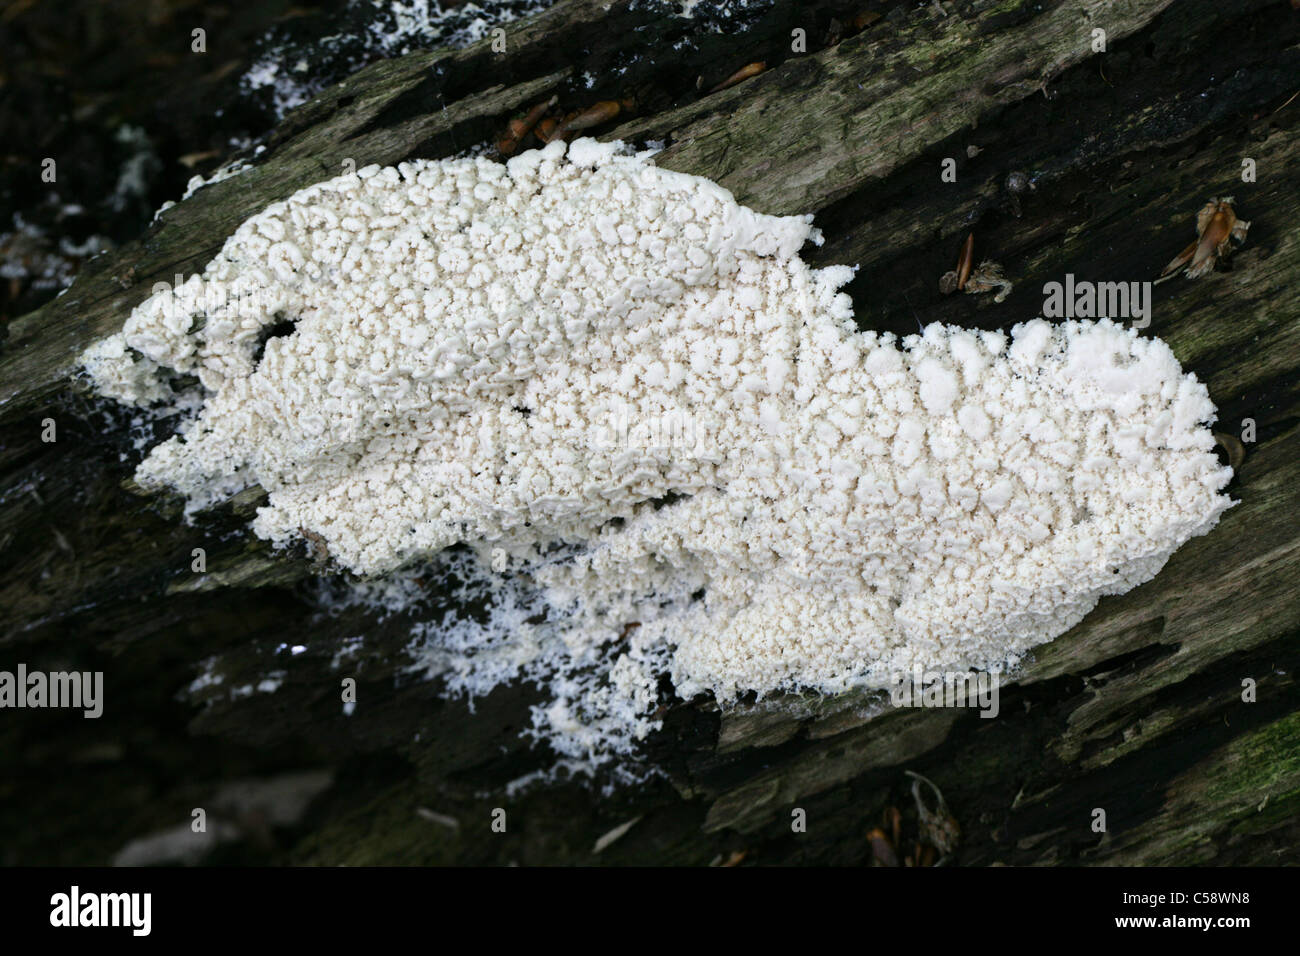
(630, 391)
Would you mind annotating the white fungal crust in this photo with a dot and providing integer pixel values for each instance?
(512, 356)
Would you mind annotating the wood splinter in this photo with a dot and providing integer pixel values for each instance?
(744, 73)
(518, 129)
(596, 115)
(988, 276)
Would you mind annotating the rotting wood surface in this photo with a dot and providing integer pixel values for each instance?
(1138, 710)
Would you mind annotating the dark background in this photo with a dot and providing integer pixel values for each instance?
(1137, 710)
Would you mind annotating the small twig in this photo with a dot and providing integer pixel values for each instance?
(1287, 103)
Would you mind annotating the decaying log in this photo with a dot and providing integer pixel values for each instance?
(1138, 710)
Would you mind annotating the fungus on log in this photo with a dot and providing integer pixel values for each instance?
(1139, 708)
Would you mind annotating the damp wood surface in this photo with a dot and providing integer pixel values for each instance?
(1138, 710)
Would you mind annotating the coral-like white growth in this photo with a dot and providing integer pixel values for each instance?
(631, 392)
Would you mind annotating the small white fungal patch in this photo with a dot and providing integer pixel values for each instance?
(143, 163)
(28, 254)
(292, 73)
(718, 15)
(225, 172)
(660, 436)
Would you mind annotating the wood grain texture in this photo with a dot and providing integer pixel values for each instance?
(1137, 710)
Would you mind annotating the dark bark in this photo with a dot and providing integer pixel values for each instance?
(1138, 710)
